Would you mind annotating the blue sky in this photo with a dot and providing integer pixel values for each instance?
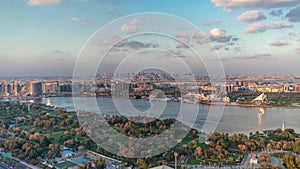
(44, 37)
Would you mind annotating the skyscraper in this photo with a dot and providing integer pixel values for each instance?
(34, 88)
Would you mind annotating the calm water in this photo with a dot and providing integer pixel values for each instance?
(234, 119)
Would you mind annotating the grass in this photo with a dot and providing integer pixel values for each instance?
(187, 139)
(277, 155)
(93, 147)
(193, 160)
(56, 137)
(65, 164)
(203, 146)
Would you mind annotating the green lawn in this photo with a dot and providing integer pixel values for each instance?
(188, 139)
(193, 160)
(56, 137)
(65, 164)
(203, 146)
(93, 147)
(277, 155)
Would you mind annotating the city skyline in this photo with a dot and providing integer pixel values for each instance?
(45, 36)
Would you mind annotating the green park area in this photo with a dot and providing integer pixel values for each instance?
(43, 134)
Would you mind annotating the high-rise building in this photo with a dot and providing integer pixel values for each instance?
(50, 87)
(65, 88)
(16, 89)
(7, 89)
(34, 88)
(1, 88)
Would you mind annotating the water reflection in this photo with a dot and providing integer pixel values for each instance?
(48, 102)
(260, 114)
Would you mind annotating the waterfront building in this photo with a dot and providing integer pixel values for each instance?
(50, 87)
(289, 88)
(1, 88)
(34, 88)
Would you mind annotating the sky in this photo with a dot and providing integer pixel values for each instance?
(45, 37)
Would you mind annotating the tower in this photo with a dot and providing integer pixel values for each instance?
(283, 126)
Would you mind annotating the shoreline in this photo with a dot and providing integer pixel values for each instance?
(293, 106)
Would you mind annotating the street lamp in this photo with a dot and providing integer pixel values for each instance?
(175, 155)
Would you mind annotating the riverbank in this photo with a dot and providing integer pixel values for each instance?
(293, 106)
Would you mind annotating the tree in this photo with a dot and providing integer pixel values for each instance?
(198, 152)
(298, 162)
(100, 163)
(242, 147)
(288, 161)
(87, 165)
(141, 163)
(230, 159)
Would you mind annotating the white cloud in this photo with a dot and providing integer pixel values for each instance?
(219, 35)
(229, 5)
(279, 43)
(81, 21)
(262, 27)
(43, 2)
(130, 27)
(251, 16)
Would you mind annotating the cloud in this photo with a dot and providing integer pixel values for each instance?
(57, 51)
(255, 56)
(210, 22)
(229, 5)
(219, 35)
(292, 34)
(136, 44)
(130, 27)
(177, 54)
(279, 43)
(217, 47)
(235, 39)
(184, 40)
(262, 27)
(251, 16)
(200, 37)
(298, 39)
(298, 50)
(188, 39)
(276, 12)
(81, 21)
(294, 15)
(43, 2)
